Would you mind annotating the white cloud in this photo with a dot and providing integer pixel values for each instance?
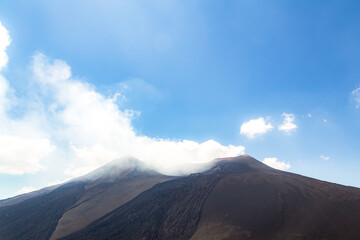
(25, 189)
(326, 158)
(356, 97)
(99, 131)
(4, 102)
(4, 86)
(20, 155)
(4, 43)
(288, 126)
(325, 120)
(275, 163)
(255, 127)
(78, 122)
(22, 145)
(70, 123)
(131, 85)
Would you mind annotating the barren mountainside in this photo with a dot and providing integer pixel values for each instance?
(238, 198)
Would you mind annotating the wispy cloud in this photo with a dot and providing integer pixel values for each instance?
(20, 155)
(355, 94)
(4, 43)
(255, 127)
(323, 157)
(275, 163)
(288, 125)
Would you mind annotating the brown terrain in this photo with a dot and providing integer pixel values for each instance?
(109, 191)
(238, 198)
(62, 210)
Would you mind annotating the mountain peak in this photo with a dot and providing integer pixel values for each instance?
(239, 197)
(240, 163)
(117, 169)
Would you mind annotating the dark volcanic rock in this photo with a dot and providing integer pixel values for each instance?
(25, 196)
(239, 198)
(36, 218)
(278, 205)
(170, 210)
(102, 197)
(72, 206)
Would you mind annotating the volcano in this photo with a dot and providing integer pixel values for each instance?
(237, 198)
(73, 205)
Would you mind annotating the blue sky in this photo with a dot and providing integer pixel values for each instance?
(277, 80)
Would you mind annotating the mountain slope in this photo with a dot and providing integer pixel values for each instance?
(36, 218)
(278, 205)
(106, 189)
(74, 205)
(239, 198)
(22, 197)
(170, 210)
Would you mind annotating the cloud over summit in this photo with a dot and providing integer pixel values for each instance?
(99, 131)
(73, 119)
